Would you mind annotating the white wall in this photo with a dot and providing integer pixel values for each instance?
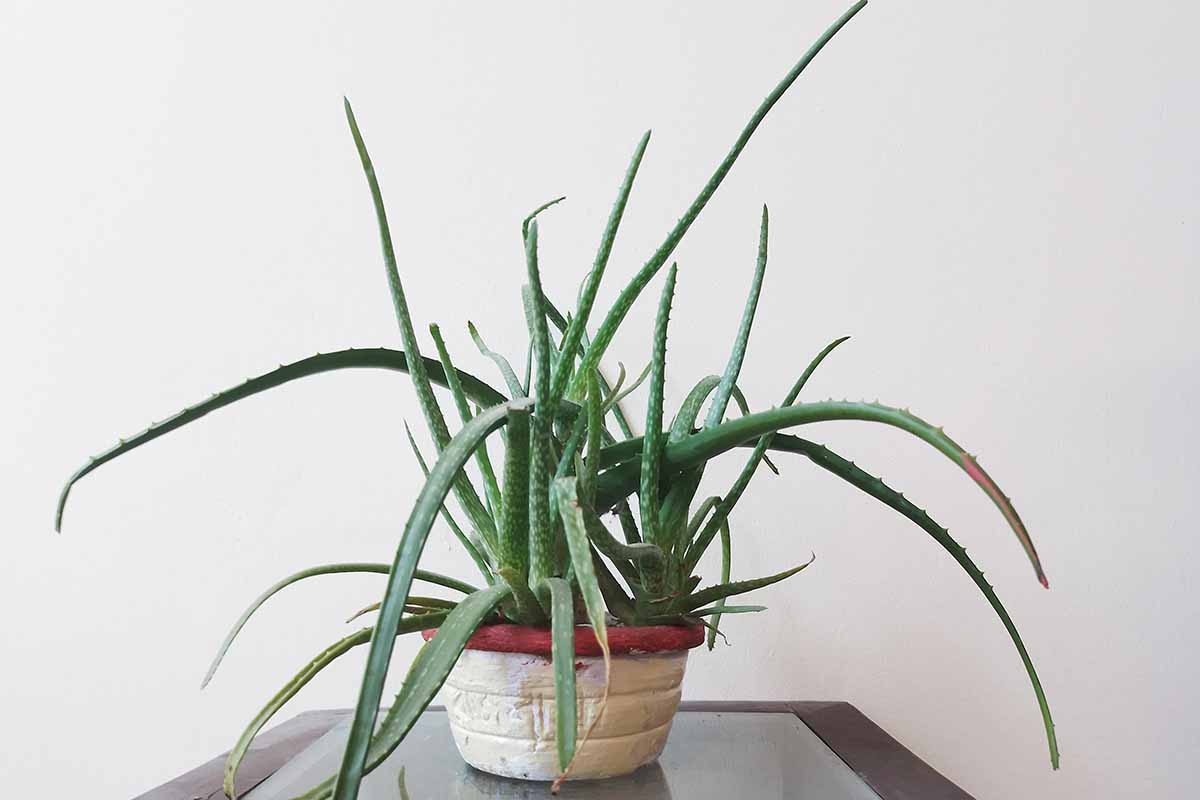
(997, 200)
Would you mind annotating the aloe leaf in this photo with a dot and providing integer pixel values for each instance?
(324, 569)
(525, 223)
(616, 551)
(875, 487)
(560, 322)
(477, 549)
(467, 497)
(426, 675)
(615, 397)
(541, 530)
(711, 594)
(618, 482)
(625, 300)
(587, 296)
(514, 521)
(575, 529)
(528, 382)
(416, 532)
(506, 371)
(716, 611)
(535, 316)
(298, 682)
(595, 426)
(684, 421)
(411, 607)
(490, 487)
(726, 557)
(735, 492)
(368, 358)
(685, 544)
(629, 526)
(562, 651)
(570, 448)
(529, 610)
(716, 411)
(615, 598)
(615, 391)
(652, 442)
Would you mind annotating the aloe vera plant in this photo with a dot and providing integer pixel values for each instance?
(537, 524)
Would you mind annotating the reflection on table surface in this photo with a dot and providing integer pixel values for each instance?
(708, 755)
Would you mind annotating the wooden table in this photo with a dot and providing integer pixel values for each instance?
(886, 767)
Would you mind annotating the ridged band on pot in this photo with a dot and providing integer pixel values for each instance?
(500, 699)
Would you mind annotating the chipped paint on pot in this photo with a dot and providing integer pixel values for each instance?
(502, 711)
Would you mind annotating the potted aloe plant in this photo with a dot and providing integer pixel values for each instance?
(571, 631)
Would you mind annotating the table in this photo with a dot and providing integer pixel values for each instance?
(760, 750)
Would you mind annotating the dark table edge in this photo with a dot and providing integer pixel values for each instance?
(889, 768)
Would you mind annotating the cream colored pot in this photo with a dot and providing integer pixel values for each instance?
(502, 710)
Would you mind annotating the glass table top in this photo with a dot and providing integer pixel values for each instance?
(763, 756)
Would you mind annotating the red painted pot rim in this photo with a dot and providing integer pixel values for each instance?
(621, 640)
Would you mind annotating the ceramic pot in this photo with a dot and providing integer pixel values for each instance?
(500, 699)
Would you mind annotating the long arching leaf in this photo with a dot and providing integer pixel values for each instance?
(723, 509)
(874, 486)
(306, 674)
(324, 569)
(621, 480)
(426, 675)
(365, 358)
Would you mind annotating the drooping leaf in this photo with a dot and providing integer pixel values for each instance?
(618, 482)
(425, 677)
(324, 569)
(299, 681)
(575, 529)
(562, 652)
(723, 509)
(875, 487)
(525, 223)
(368, 358)
(506, 371)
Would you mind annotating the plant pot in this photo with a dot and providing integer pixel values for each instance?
(500, 699)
